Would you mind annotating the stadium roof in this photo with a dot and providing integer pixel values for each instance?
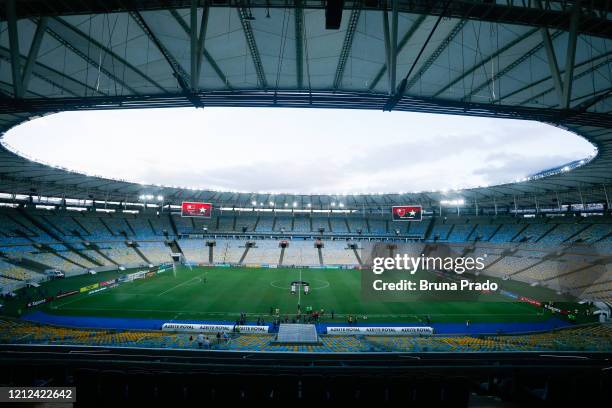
(549, 61)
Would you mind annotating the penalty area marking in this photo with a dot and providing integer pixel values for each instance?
(181, 284)
(278, 284)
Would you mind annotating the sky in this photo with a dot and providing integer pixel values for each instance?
(283, 150)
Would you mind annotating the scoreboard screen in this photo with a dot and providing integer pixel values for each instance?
(194, 209)
(407, 213)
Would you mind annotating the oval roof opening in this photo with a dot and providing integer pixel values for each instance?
(310, 151)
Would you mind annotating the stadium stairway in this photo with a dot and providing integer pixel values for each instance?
(548, 232)
(65, 258)
(244, 254)
(174, 247)
(357, 255)
(33, 266)
(577, 233)
(52, 234)
(211, 254)
(173, 225)
(140, 253)
(282, 256)
(96, 248)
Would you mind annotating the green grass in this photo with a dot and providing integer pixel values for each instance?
(223, 293)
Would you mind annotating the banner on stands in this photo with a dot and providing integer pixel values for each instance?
(212, 328)
(380, 331)
(39, 302)
(89, 287)
(66, 294)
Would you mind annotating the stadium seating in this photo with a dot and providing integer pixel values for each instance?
(282, 223)
(195, 250)
(264, 252)
(155, 251)
(506, 232)
(229, 251)
(301, 224)
(265, 224)
(514, 246)
(301, 253)
(596, 338)
(120, 253)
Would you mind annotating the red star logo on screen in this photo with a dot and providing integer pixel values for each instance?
(407, 213)
(192, 209)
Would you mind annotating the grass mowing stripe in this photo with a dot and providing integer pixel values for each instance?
(255, 291)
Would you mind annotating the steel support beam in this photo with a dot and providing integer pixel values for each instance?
(434, 55)
(14, 48)
(89, 60)
(58, 28)
(591, 68)
(387, 39)
(197, 43)
(587, 71)
(553, 65)
(553, 14)
(181, 76)
(202, 38)
(254, 51)
(393, 55)
(208, 57)
(321, 99)
(583, 106)
(508, 68)
(570, 58)
(33, 53)
(415, 26)
(485, 61)
(194, 44)
(299, 44)
(43, 76)
(407, 82)
(346, 47)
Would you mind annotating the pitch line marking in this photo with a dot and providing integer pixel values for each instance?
(181, 284)
(264, 313)
(71, 301)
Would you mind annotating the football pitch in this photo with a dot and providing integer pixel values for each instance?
(222, 294)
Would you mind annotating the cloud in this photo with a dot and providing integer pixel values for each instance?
(499, 166)
(297, 151)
